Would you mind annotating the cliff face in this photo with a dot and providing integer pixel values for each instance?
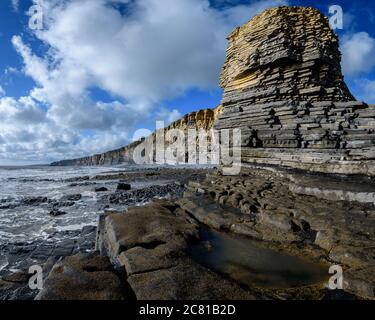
(202, 119)
(284, 88)
(284, 53)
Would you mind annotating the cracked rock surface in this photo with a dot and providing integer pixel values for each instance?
(150, 244)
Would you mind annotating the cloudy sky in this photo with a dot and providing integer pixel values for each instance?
(100, 69)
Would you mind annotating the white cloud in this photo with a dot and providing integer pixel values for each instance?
(15, 4)
(168, 116)
(157, 50)
(358, 53)
(2, 91)
(27, 133)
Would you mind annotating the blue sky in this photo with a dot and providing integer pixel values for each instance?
(101, 69)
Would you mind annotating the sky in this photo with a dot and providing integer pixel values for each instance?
(99, 70)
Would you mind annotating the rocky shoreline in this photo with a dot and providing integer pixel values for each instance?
(165, 183)
(304, 199)
(141, 250)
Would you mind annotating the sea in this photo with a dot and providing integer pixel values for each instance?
(22, 223)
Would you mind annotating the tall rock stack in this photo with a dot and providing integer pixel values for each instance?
(284, 88)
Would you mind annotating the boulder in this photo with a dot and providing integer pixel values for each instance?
(82, 277)
(56, 213)
(63, 204)
(101, 189)
(146, 227)
(123, 186)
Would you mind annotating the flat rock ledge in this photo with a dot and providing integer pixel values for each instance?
(149, 244)
(265, 204)
(144, 251)
(147, 247)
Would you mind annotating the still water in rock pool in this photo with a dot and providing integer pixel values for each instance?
(243, 260)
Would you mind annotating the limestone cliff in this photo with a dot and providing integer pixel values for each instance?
(284, 53)
(284, 88)
(202, 119)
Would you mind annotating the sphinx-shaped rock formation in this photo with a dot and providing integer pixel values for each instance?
(284, 88)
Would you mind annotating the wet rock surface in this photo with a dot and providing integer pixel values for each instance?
(40, 251)
(101, 189)
(17, 257)
(56, 213)
(123, 186)
(148, 247)
(25, 255)
(260, 204)
(144, 195)
(150, 244)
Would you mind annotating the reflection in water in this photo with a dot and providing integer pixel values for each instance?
(243, 260)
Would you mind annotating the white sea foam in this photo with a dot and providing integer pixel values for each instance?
(27, 223)
(74, 227)
(3, 262)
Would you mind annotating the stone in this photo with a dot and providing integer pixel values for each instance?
(140, 260)
(186, 281)
(352, 256)
(146, 227)
(206, 212)
(82, 277)
(15, 291)
(150, 244)
(63, 204)
(34, 201)
(17, 277)
(72, 197)
(56, 213)
(144, 195)
(360, 281)
(123, 187)
(101, 189)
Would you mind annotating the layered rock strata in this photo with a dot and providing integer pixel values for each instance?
(202, 119)
(148, 247)
(150, 244)
(336, 222)
(284, 88)
(284, 53)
